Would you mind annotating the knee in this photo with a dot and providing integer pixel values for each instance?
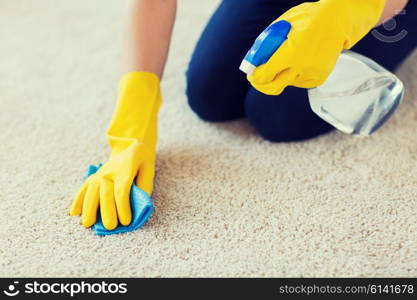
(198, 96)
(281, 129)
(208, 100)
(284, 118)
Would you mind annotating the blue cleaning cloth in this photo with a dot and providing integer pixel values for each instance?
(140, 204)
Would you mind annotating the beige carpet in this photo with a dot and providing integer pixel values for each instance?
(227, 202)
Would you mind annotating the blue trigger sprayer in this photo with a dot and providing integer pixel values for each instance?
(265, 46)
(358, 97)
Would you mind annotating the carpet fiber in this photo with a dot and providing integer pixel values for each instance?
(227, 203)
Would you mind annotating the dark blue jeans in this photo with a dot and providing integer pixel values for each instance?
(217, 91)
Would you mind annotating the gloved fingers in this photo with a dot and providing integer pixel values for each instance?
(77, 203)
(90, 204)
(277, 86)
(306, 84)
(309, 83)
(107, 204)
(122, 194)
(146, 176)
(277, 63)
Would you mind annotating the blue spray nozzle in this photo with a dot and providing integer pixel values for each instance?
(265, 46)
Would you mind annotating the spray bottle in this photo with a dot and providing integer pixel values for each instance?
(358, 97)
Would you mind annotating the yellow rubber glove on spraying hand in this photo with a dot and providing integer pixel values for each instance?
(132, 136)
(319, 33)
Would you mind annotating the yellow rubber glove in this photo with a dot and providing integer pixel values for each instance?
(132, 136)
(319, 33)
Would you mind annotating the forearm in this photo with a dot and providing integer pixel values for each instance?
(392, 8)
(149, 28)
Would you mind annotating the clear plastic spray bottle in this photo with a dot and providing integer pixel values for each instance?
(358, 97)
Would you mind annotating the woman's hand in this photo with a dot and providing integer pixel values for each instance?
(132, 137)
(110, 187)
(319, 32)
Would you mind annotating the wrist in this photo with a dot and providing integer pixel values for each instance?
(138, 76)
(355, 17)
(137, 106)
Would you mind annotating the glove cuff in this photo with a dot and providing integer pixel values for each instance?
(137, 108)
(356, 17)
(145, 82)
